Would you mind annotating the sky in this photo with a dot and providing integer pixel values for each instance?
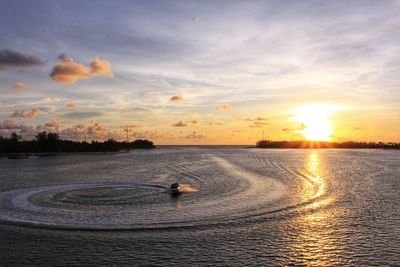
(201, 72)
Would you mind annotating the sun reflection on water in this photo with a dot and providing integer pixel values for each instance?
(316, 184)
(315, 229)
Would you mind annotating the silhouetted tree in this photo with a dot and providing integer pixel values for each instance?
(15, 137)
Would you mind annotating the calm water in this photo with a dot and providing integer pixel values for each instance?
(252, 207)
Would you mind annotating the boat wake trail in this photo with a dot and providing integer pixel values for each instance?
(229, 192)
(187, 188)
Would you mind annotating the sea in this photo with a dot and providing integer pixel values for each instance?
(238, 207)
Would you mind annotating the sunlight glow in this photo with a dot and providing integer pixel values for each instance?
(315, 121)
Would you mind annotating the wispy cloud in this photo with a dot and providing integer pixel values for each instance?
(301, 127)
(194, 136)
(258, 124)
(83, 115)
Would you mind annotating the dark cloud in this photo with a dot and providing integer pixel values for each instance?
(69, 72)
(10, 58)
(179, 124)
(82, 115)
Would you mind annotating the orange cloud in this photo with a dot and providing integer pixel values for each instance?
(72, 105)
(176, 99)
(69, 72)
(179, 124)
(25, 114)
(225, 107)
(20, 86)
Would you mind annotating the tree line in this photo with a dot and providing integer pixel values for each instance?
(323, 144)
(50, 142)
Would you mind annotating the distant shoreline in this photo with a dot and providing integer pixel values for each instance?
(267, 144)
(47, 144)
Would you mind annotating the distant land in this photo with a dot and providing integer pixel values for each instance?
(51, 143)
(325, 144)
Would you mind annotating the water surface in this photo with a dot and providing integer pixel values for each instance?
(253, 207)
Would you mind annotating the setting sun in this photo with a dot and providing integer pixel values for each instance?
(315, 121)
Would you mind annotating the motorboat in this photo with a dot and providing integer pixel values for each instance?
(175, 188)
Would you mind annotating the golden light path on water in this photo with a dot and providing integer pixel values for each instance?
(314, 230)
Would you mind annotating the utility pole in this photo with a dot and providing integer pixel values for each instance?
(127, 133)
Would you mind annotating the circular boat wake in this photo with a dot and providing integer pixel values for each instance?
(228, 192)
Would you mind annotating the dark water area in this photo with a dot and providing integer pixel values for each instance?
(253, 207)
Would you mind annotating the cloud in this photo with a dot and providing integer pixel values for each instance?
(9, 126)
(11, 58)
(71, 105)
(96, 128)
(20, 86)
(176, 99)
(129, 126)
(76, 132)
(258, 124)
(194, 135)
(194, 121)
(179, 124)
(47, 109)
(260, 119)
(25, 114)
(69, 72)
(82, 115)
(150, 134)
(94, 131)
(225, 107)
(53, 126)
(301, 127)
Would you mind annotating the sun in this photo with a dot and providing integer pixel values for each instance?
(315, 121)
